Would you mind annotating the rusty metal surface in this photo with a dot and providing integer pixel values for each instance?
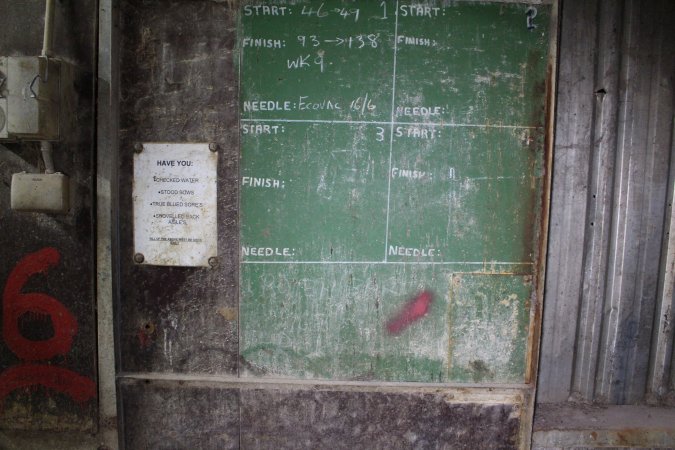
(49, 255)
(177, 84)
(607, 331)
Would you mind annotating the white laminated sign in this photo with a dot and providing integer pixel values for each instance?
(174, 197)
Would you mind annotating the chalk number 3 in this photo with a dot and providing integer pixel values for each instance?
(380, 134)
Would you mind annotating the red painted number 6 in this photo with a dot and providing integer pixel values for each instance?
(14, 305)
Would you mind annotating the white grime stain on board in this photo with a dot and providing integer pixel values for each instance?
(481, 340)
(322, 188)
(487, 329)
(491, 77)
(460, 219)
(449, 84)
(168, 344)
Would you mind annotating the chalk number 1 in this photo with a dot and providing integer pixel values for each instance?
(384, 10)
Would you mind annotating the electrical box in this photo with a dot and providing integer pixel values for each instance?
(31, 92)
(39, 192)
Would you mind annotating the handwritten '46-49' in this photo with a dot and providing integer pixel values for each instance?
(320, 12)
(344, 12)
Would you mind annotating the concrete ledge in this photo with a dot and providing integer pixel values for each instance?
(580, 425)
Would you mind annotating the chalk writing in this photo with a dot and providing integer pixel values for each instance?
(262, 129)
(317, 105)
(303, 103)
(396, 250)
(357, 42)
(248, 42)
(420, 111)
(310, 11)
(346, 13)
(387, 138)
(419, 11)
(415, 41)
(306, 62)
(266, 10)
(267, 105)
(383, 132)
(320, 12)
(417, 132)
(410, 174)
(267, 251)
(263, 182)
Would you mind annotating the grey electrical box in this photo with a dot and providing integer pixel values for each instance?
(32, 90)
(40, 192)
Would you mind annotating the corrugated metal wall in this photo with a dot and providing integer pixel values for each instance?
(608, 330)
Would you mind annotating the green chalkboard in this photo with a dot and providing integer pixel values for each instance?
(388, 149)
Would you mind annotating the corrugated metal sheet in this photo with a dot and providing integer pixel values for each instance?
(608, 330)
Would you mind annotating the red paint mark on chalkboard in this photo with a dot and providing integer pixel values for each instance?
(16, 304)
(411, 312)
